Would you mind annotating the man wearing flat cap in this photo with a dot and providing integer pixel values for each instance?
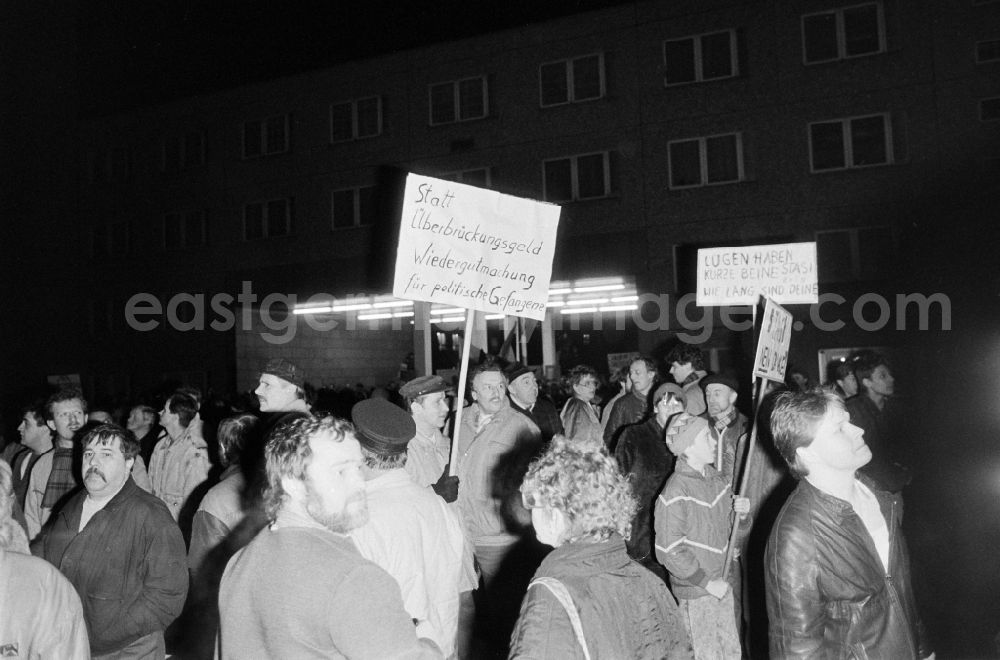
(643, 456)
(281, 392)
(411, 533)
(522, 389)
(428, 451)
(727, 425)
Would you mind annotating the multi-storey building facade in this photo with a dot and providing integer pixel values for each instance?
(659, 127)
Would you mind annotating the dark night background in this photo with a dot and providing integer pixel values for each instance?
(129, 54)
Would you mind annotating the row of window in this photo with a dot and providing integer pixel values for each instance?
(827, 36)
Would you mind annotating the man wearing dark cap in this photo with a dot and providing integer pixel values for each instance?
(411, 533)
(522, 388)
(727, 424)
(642, 454)
(281, 391)
(428, 452)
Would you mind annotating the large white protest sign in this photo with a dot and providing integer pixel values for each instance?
(736, 275)
(772, 346)
(475, 248)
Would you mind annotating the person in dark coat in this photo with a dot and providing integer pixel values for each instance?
(522, 390)
(588, 599)
(643, 457)
(121, 549)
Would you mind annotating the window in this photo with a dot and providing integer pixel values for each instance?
(479, 177)
(987, 51)
(843, 33)
(572, 81)
(699, 58)
(183, 152)
(353, 207)
(267, 219)
(587, 176)
(110, 239)
(459, 100)
(357, 119)
(864, 253)
(706, 161)
(265, 136)
(183, 230)
(989, 109)
(846, 143)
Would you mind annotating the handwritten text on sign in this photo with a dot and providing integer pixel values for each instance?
(735, 275)
(772, 346)
(475, 248)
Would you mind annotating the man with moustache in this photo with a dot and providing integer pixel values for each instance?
(491, 431)
(837, 567)
(300, 589)
(121, 550)
(281, 393)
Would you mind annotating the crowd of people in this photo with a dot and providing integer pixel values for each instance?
(661, 522)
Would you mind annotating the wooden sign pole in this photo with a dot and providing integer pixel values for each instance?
(463, 375)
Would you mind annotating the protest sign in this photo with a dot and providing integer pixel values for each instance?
(736, 275)
(475, 248)
(772, 346)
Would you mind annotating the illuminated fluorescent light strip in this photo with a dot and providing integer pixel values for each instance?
(579, 310)
(402, 315)
(393, 303)
(448, 319)
(588, 301)
(373, 317)
(494, 317)
(352, 308)
(313, 310)
(560, 292)
(601, 287)
(623, 299)
(555, 303)
(617, 308)
(448, 310)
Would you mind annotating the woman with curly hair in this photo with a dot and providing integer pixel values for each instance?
(579, 416)
(588, 599)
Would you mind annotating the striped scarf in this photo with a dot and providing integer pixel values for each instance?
(61, 479)
(723, 422)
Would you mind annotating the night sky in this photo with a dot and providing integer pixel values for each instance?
(144, 52)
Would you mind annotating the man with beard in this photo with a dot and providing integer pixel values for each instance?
(301, 589)
(120, 549)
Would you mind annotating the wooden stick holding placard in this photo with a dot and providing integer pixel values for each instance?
(770, 363)
(743, 476)
(463, 375)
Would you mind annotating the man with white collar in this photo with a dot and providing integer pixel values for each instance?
(180, 461)
(428, 452)
(418, 539)
(837, 567)
(522, 388)
(52, 476)
(119, 547)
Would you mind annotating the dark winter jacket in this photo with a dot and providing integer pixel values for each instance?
(128, 565)
(642, 454)
(828, 595)
(625, 611)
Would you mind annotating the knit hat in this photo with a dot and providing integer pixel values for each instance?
(515, 370)
(669, 388)
(725, 378)
(682, 429)
(285, 370)
(381, 427)
(423, 385)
